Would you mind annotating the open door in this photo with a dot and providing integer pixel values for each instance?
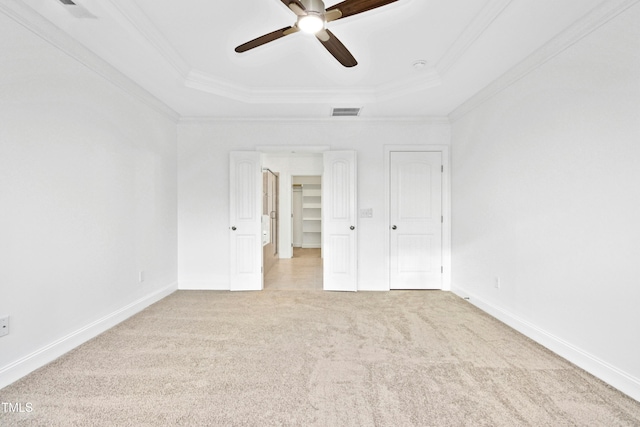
(339, 213)
(245, 215)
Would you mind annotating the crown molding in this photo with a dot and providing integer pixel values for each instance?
(43, 28)
(128, 14)
(429, 120)
(597, 17)
(478, 26)
(206, 82)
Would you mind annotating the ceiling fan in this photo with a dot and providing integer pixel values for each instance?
(312, 19)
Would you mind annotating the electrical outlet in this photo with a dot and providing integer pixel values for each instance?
(4, 326)
(496, 282)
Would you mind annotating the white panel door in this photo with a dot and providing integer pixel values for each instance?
(245, 229)
(415, 253)
(339, 215)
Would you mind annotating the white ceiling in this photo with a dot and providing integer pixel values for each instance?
(182, 52)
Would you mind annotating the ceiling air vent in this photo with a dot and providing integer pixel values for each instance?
(67, 2)
(345, 112)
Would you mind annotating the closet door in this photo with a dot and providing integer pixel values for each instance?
(245, 214)
(339, 216)
(416, 220)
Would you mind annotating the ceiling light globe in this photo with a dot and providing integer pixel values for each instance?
(310, 23)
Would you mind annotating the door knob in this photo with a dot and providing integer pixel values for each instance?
(352, 228)
(234, 228)
(393, 227)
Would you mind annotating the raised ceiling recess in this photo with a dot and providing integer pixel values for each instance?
(313, 17)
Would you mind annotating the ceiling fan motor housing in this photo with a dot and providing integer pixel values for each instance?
(313, 6)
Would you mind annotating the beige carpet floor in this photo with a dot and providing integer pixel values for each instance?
(292, 358)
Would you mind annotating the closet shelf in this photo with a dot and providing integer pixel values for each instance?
(311, 214)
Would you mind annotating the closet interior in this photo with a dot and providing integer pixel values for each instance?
(307, 211)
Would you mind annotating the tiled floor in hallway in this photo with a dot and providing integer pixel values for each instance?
(302, 272)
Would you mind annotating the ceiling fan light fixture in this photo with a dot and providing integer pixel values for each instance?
(310, 23)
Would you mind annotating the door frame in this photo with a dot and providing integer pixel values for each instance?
(446, 206)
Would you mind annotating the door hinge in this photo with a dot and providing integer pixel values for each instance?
(441, 269)
(442, 219)
(442, 168)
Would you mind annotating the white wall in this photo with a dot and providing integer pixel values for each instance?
(88, 189)
(203, 185)
(546, 195)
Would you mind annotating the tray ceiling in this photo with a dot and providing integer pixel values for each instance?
(417, 58)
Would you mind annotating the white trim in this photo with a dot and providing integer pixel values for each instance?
(206, 82)
(597, 17)
(471, 34)
(127, 13)
(47, 354)
(430, 120)
(43, 28)
(287, 149)
(446, 206)
(613, 376)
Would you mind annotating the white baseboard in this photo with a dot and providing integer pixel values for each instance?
(47, 354)
(608, 373)
(311, 245)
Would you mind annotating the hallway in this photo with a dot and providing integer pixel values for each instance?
(303, 272)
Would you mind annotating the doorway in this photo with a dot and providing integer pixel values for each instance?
(336, 231)
(303, 270)
(307, 212)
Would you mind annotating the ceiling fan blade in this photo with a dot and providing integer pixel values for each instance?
(353, 7)
(332, 15)
(336, 48)
(297, 9)
(266, 39)
(295, 6)
(291, 30)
